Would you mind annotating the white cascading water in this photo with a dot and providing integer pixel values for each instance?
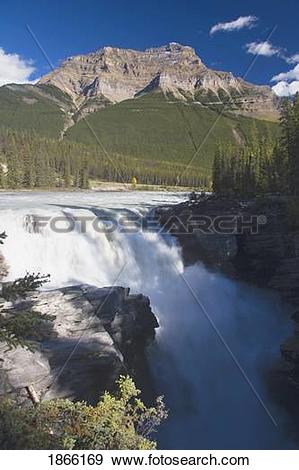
(211, 404)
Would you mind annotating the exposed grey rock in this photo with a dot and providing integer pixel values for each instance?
(268, 258)
(259, 246)
(193, 225)
(110, 75)
(286, 279)
(97, 333)
(3, 267)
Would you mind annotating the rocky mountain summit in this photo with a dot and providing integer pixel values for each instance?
(152, 111)
(111, 75)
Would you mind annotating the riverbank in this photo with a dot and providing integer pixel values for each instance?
(99, 186)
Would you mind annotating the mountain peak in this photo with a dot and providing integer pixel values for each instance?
(113, 74)
(172, 47)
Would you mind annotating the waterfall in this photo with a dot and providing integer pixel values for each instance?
(211, 404)
(137, 260)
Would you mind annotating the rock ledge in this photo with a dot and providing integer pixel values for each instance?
(96, 334)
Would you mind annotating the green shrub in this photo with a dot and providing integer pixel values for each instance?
(116, 422)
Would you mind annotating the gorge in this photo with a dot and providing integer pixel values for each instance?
(218, 337)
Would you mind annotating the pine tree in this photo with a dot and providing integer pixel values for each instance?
(217, 171)
(263, 165)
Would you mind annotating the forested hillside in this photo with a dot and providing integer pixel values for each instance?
(36, 108)
(152, 138)
(157, 115)
(158, 128)
(263, 164)
(30, 161)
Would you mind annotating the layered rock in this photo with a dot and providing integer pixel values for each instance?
(111, 75)
(249, 239)
(95, 335)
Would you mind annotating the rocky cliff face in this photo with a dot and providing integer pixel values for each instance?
(111, 75)
(268, 258)
(255, 241)
(96, 334)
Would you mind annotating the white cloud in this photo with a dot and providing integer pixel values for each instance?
(292, 74)
(239, 23)
(262, 48)
(293, 59)
(14, 69)
(286, 89)
(267, 49)
(287, 82)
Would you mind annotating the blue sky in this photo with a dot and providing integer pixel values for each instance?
(65, 28)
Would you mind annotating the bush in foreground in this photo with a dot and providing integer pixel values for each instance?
(116, 422)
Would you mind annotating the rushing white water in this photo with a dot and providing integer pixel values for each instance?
(212, 404)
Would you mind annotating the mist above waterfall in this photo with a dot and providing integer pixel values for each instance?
(211, 403)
